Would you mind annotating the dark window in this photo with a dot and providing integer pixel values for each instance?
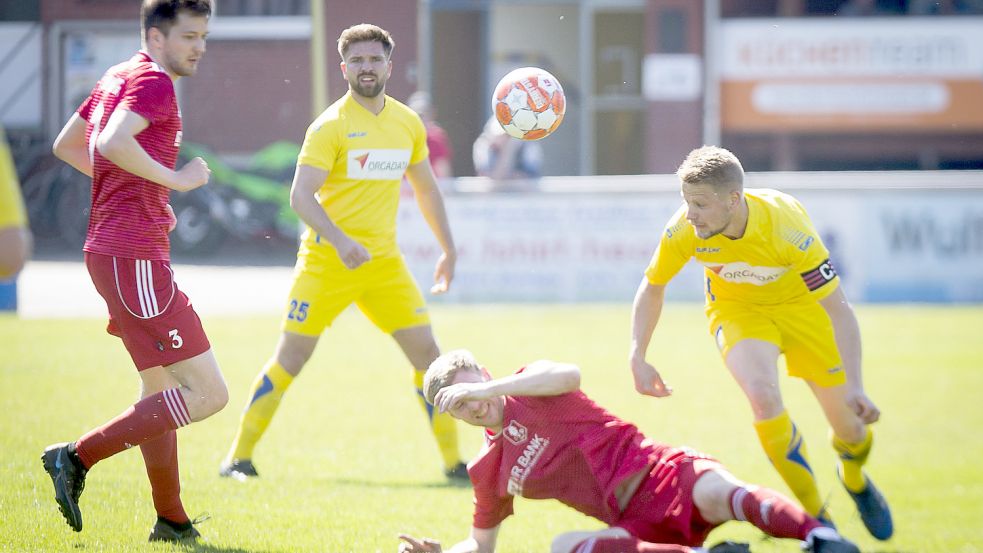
(262, 7)
(672, 32)
(20, 11)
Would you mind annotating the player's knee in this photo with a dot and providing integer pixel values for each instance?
(211, 400)
(711, 495)
(766, 400)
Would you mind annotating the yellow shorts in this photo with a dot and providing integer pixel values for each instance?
(802, 331)
(382, 288)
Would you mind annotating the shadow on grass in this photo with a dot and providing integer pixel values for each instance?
(352, 482)
(199, 547)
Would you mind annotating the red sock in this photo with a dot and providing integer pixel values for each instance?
(160, 456)
(772, 512)
(144, 420)
(627, 545)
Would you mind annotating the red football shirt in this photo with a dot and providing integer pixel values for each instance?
(562, 447)
(129, 216)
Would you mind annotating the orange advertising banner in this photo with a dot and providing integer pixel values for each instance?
(898, 74)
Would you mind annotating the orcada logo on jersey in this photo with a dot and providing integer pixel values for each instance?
(378, 164)
(743, 273)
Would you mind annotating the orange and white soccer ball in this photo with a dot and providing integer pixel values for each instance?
(529, 103)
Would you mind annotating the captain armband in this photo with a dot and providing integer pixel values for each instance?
(820, 276)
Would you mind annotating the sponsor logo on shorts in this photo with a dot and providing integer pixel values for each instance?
(718, 335)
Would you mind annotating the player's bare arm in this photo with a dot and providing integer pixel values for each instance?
(646, 310)
(118, 143)
(847, 331)
(481, 540)
(539, 378)
(303, 199)
(431, 204)
(70, 146)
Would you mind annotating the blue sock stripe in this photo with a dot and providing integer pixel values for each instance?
(264, 388)
(794, 453)
(428, 407)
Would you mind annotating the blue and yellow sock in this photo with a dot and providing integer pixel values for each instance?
(852, 459)
(787, 451)
(267, 390)
(443, 426)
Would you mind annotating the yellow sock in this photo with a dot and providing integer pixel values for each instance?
(787, 451)
(852, 459)
(264, 398)
(443, 426)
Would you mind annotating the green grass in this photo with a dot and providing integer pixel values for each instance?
(348, 462)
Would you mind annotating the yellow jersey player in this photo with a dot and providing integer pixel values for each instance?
(346, 188)
(770, 290)
(15, 238)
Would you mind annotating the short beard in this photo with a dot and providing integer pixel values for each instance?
(371, 92)
(178, 69)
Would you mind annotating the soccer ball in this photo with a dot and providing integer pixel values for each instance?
(529, 103)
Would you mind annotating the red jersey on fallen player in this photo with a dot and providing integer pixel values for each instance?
(563, 447)
(129, 216)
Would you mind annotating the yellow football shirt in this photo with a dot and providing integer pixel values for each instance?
(780, 258)
(366, 156)
(12, 212)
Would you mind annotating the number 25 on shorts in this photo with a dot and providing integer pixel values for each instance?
(298, 311)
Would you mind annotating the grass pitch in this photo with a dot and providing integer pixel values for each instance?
(348, 462)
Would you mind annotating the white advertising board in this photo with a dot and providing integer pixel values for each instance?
(890, 243)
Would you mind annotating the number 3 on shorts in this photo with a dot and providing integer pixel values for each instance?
(298, 310)
(176, 340)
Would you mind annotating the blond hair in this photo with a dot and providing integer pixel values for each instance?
(443, 370)
(713, 166)
(365, 32)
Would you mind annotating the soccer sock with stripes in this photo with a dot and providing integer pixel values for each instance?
(628, 545)
(144, 420)
(787, 451)
(443, 426)
(264, 399)
(160, 457)
(852, 459)
(773, 513)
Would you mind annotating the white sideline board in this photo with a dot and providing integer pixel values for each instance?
(894, 237)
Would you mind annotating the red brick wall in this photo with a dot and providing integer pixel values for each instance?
(248, 94)
(91, 9)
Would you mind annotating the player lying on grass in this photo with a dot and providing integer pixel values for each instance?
(545, 439)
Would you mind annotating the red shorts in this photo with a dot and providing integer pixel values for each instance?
(154, 318)
(662, 510)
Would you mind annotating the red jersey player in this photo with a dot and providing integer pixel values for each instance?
(546, 439)
(126, 136)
